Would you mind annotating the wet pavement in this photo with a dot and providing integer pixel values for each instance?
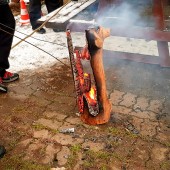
(42, 104)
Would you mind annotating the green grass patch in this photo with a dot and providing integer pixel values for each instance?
(17, 163)
(115, 131)
(41, 127)
(103, 167)
(99, 160)
(38, 127)
(19, 109)
(75, 148)
(165, 165)
(87, 164)
(167, 144)
(131, 135)
(73, 158)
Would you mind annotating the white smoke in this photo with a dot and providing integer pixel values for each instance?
(126, 14)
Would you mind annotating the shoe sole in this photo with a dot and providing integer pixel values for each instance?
(3, 89)
(2, 152)
(40, 32)
(10, 80)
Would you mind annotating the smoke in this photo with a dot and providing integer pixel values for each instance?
(134, 77)
(125, 14)
(123, 75)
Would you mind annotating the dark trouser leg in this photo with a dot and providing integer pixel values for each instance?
(2, 151)
(53, 4)
(6, 18)
(35, 12)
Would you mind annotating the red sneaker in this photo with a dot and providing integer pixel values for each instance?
(3, 88)
(9, 77)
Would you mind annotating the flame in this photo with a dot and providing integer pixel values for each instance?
(92, 93)
(86, 75)
(81, 81)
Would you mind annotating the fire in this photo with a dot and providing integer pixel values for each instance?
(82, 79)
(86, 75)
(92, 93)
(91, 97)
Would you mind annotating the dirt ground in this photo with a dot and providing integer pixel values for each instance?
(42, 103)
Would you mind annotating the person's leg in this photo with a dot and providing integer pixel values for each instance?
(6, 19)
(7, 29)
(53, 4)
(2, 151)
(35, 13)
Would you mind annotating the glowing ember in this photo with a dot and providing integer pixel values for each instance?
(81, 81)
(92, 100)
(86, 75)
(92, 93)
(86, 96)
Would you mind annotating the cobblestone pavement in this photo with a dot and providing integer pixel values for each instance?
(42, 104)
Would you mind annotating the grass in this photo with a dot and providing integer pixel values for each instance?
(103, 167)
(88, 164)
(38, 126)
(17, 163)
(72, 160)
(165, 165)
(41, 127)
(115, 131)
(13, 143)
(120, 132)
(131, 135)
(99, 160)
(19, 109)
(15, 138)
(167, 144)
(75, 148)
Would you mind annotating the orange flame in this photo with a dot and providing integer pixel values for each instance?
(92, 93)
(81, 81)
(86, 75)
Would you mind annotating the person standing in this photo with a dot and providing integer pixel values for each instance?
(7, 29)
(35, 11)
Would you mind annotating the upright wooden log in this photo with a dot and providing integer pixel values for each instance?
(95, 38)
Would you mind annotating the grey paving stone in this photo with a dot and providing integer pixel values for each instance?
(144, 115)
(159, 152)
(148, 128)
(50, 153)
(41, 134)
(155, 106)
(53, 124)
(121, 109)
(63, 139)
(73, 120)
(116, 97)
(93, 146)
(63, 156)
(129, 100)
(25, 142)
(142, 103)
(54, 114)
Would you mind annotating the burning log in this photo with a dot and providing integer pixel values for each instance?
(93, 103)
(95, 39)
(82, 81)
